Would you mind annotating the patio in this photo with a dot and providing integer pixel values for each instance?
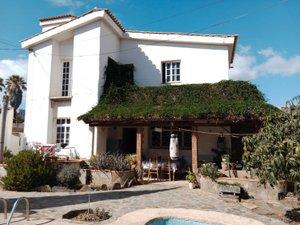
(48, 208)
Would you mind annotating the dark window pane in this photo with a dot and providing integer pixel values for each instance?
(179, 136)
(68, 121)
(165, 138)
(187, 139)
(155, 139)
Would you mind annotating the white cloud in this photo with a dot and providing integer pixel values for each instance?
(9, 67)
(67, 3)
(247, 67)
(17, 66)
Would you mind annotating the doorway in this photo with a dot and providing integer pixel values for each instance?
(129, 141)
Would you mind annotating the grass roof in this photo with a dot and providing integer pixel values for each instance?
(228, 100)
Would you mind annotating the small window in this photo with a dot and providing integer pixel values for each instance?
(66, 78)
(63, 130)
(171, 72)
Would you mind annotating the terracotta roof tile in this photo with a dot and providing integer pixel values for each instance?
(58, 17)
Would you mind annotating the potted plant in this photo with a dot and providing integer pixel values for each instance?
(225, 162)
(191, 178)
(111, 171)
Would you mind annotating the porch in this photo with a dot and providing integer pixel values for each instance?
(196, 141)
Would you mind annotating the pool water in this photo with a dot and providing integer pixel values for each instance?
(173, 221)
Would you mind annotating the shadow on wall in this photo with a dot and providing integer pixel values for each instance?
(143, 65)
(147, 59)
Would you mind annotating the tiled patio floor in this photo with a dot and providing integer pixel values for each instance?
(48, 208)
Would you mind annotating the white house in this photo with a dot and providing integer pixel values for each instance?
(66, 71)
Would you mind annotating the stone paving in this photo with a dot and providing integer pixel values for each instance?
(48, 208)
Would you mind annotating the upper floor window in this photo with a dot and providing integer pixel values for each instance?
(63, 130)
(170, 71)
(66, 73)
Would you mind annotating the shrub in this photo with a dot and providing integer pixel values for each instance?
(28, 170)
(191, 177)
(69, 176)
(7, 154)
(209, 170)
(273, 154)
(108, 161)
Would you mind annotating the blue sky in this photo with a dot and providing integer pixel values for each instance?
(268, 51)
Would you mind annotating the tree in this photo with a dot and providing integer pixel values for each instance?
(2, 132)
(273, 154)
(15, 85)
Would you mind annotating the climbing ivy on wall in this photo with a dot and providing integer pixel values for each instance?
(117, 75)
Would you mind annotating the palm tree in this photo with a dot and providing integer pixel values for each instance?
(2, 129)
(15, 85)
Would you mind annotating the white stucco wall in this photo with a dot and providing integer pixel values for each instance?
(85, 83)
(12, 141)
(109, 47)
(199, 63)
(37, 95)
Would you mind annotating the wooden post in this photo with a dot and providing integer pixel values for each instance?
(194, 151)
(139, 140)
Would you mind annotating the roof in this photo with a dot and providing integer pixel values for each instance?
(57, 17)
(227, 100)
(107, 15)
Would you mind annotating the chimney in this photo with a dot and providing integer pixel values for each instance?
(54, 21)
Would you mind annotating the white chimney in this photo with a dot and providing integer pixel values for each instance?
(54, 21)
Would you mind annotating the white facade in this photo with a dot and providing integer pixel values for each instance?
(85, 43)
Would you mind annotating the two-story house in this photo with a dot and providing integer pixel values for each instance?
(66, 66)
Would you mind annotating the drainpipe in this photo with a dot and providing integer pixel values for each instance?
(93, 140)
(3, 125)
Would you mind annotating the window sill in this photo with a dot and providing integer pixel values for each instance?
(61, 98)
(172, 83)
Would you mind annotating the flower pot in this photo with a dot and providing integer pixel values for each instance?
(191, 185)
(224, 166)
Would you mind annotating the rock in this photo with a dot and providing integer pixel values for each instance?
(59, 189)
(45, 188)
(85, 188)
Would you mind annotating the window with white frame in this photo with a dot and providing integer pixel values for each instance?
(63, 130)
(170, 71)
(66, 73)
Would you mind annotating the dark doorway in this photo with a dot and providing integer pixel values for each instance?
(129, 141)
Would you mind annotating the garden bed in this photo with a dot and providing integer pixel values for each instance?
(251, 186)
(107, 179)
(89, 215)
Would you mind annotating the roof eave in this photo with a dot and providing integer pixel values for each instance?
(73, 24)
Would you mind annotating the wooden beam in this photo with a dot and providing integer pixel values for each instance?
(194, 151)
(139, 141)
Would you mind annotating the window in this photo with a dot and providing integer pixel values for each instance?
(161, 138)
(66, 78)
(63, 130)
(170, 72)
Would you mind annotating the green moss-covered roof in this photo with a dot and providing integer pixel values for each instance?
(228, 100)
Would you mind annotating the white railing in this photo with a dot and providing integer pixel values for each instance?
(4, 207)
(15, 206)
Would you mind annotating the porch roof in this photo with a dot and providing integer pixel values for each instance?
(226, 101)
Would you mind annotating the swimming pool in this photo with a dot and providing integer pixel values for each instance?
(173, 221)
